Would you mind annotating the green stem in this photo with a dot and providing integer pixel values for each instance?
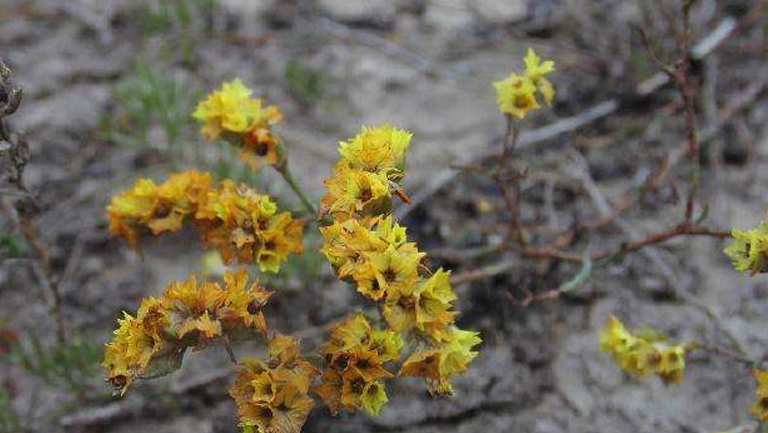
(286, 173)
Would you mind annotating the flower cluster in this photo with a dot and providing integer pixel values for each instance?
(157, 208)
(272, 396)
(517, 94)
(233, 115)
(368, 174)
(242, 224)
(643, 352)
(749, 249)
(362, 241)
(367, 247)
(247, 228)
(355, 358)
(188, 314)
(438, 364)
(760, 407)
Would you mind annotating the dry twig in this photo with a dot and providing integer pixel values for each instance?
(22, 204)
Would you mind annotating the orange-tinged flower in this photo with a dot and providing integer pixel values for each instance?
(245, 227)
(287, 364)
(355, 355)
(242, 302)
(389, 271)
(272, 396)
(286, 413)
(157, 208)
(426, 306)
(136, 341)
(232, 114)
(261, 148)
(356, 193)
(347, 242)
(760, 408)
(192, 309)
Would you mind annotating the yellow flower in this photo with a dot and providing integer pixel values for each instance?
(426, 307)
(749, 249)
(671, 363)
(386, 343)
(261, 148)
(760, 407)
(373, 398)
(192, 309)
(354, 193)
(389, 271)
(346, 242)
(516, 95)
(357, 391)
(354, 336)
(537, 70)
(330, 389)
(245, 227)
(614, 338)
(287, 365)
(243, 303)
(285, 413)
(231, 113)
(136, 341)
(232, 110)
(643, 352)
(355, 356)
(272, 396)
(378, 149)
(157, 208)
(438, 364)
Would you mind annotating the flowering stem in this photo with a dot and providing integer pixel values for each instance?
(286, 173)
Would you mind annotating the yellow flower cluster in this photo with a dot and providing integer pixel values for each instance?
(368, 173)
(760, 407)
(355, 357)
(643, 352)
(367, 247)
(188, 314)
(243, 225)
(272, 396)
(246, 228)
(159, 208)
(517, 94)
(440, 363)
(749, 249)
(232, 114)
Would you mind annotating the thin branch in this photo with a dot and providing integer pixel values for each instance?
(23, 203)
(726, 28)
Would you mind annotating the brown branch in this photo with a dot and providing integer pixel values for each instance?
(682, 229)
(23, 203)
(510, 187)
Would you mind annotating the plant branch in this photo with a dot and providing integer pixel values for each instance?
(285, 172)
(23, 202)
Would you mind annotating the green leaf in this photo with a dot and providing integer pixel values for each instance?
(164, 364)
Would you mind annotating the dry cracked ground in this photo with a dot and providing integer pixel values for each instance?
(90, 68)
